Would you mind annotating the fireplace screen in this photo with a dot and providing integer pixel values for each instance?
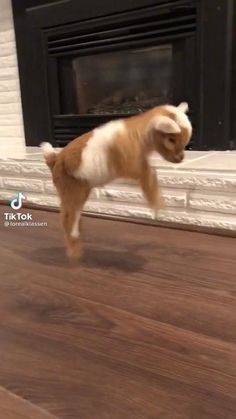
(124, 82)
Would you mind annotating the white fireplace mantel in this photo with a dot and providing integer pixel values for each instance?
(201, 191)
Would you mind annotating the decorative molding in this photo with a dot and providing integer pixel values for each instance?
(197, 198)
(214, 203)
(218, 181)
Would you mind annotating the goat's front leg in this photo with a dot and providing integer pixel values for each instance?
(151, 189)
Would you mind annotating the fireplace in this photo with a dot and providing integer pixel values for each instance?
(123, 82)
(85, 63)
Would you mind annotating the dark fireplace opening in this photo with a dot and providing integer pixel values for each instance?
(84, 63)
(123, 82)
(120, 66)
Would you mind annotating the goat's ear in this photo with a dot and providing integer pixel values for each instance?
(183, 107)
(166, 125)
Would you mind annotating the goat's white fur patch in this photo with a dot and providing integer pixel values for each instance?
(94, 164)
(181, 118)
(165, 124)
(75, 228)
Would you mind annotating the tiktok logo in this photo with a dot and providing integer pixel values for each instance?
(16, 203)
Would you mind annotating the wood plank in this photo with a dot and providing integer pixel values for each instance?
(143, 328)
(14, 407)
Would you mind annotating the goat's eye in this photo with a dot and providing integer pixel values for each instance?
(172, 140)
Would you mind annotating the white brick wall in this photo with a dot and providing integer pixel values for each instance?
(200, 198)
(11, 121)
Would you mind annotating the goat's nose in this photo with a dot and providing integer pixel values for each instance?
(179, 157)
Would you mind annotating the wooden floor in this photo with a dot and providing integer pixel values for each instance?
(144, 328)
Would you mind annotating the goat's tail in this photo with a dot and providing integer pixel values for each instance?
(50, 154)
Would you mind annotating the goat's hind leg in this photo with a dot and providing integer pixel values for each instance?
(71, 208)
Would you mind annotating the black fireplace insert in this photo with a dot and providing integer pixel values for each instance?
(84, 63)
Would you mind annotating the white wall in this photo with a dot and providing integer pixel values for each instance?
(11, 121)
